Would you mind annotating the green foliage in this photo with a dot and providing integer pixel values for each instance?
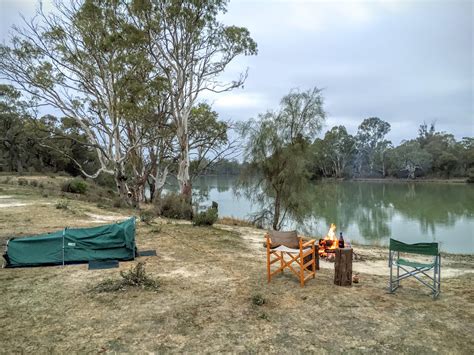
(447, 162)
(206, 218)
(175, 206)
(372, 146)
(206, 134)
(75, 186)
(27, 143)
(470, 176)
(62, 204)
(408, 158)
(278, 151)
(135, 277)
(147, 216)
(22, 182)
(334, 153)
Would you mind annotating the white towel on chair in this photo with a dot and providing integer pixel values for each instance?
(290, 250)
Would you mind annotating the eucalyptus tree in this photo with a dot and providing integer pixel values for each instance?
(372, 145)
(22, 139)
(409, 157)
(12, 132)
(277, 152)
(86, 61)
(335, 151)
(209, 140)
(191, 48)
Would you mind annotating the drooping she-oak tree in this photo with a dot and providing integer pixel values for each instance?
(278, 151)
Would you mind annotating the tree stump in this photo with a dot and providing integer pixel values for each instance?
(343, 267)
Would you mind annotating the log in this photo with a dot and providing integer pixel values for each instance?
(343, 267)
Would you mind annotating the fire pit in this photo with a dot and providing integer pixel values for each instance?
(328, 245)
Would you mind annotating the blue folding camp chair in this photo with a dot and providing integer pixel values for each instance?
(414, 268)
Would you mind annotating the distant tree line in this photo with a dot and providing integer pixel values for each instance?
(369, 154)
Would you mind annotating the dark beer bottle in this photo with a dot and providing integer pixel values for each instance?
(341, 240)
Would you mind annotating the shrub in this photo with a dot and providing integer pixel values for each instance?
(34, 183)
(147, 216)
(175, 206)
(101, 205)
(470, 176)
(22, 182)
(119, 203)
(136, 277)
(75, 186)
(62, 204)
(207, 218)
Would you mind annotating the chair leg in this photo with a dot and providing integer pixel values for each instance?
(398, 270)
(269, 275)
(301, 269)
(439, 274)
(313, 264)
(437, 278)
(390, 282)
(281, 262)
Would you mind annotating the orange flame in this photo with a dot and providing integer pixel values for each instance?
(329, 242)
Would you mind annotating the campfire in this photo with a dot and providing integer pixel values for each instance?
(329, 243)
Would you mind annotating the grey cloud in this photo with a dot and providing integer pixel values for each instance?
(405, 62)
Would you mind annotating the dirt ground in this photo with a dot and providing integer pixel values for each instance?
(208, 277)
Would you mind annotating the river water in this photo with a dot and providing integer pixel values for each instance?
(369, 212)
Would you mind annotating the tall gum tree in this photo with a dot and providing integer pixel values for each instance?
(191, 49)
(86, 61)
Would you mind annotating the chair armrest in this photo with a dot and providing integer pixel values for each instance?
(268, 241)
(308, 243)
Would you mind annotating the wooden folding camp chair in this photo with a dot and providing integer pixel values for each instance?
(287, 244)
(414, 268)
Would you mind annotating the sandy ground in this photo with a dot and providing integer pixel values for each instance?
(371, 260)
(208, 278)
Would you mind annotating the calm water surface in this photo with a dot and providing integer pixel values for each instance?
(370, 212)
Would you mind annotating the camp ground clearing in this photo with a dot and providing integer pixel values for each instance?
(209, 279)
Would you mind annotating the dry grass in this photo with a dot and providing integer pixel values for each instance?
(210, 279)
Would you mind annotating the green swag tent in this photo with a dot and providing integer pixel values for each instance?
(74, 245)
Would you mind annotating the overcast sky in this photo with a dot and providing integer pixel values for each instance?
(403, 61)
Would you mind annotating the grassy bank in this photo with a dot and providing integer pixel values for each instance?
(212, 280)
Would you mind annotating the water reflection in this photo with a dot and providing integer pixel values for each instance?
(370, 212)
